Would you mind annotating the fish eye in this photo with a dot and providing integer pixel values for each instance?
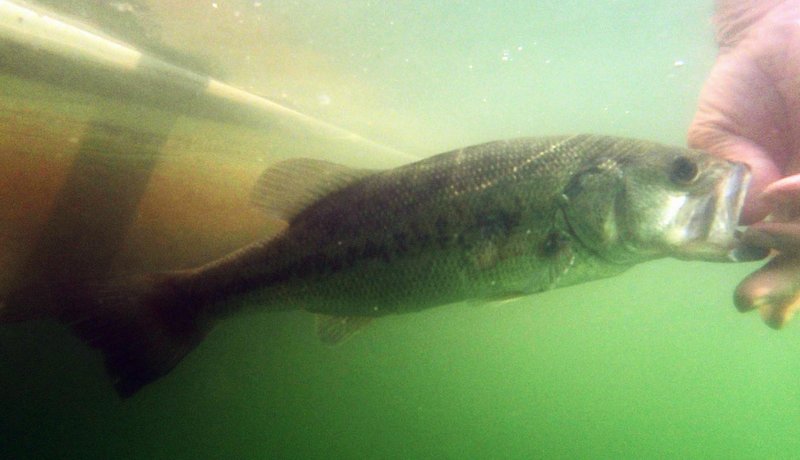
(683, 171)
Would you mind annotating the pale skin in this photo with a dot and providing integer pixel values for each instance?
(749, 111)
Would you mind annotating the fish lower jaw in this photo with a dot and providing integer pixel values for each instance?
(716, 248)
(711, 241)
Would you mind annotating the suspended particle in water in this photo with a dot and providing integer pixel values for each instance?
(122, 7)
(679, 63)
(505, 56)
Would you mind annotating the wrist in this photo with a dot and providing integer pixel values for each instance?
(734, 19)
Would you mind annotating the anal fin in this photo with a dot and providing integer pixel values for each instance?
(333, 330)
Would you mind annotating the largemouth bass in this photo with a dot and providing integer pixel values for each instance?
(492, 221)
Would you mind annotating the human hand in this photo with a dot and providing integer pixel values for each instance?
(749, 111)
(775, 288)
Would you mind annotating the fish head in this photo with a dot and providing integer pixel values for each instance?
(656, 201)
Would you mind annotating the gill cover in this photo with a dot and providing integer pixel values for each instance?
(591, 205)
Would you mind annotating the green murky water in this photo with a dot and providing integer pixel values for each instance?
(652, 364)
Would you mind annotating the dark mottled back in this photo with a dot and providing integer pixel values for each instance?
(451, 200)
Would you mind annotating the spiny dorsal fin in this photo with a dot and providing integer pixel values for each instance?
(286, 188)
(333, 330)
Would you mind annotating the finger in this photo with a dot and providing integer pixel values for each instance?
(776, 315)
(783, 188)
(783, 236)
(783, 196)
(774, 290)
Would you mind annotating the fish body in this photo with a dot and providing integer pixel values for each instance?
(486, 222)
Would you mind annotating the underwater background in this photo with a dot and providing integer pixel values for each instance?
(655, 363)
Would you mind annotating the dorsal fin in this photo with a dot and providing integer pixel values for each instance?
(287, 187)
(332, 330)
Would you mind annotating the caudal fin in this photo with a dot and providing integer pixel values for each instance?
(144, 325)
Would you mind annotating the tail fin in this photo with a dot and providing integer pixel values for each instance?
(144, 325)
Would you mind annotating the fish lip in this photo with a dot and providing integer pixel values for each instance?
(731, 193)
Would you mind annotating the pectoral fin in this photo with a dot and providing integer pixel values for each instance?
(333, 330)
(505, 298)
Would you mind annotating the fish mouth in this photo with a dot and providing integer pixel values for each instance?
(705, 227)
